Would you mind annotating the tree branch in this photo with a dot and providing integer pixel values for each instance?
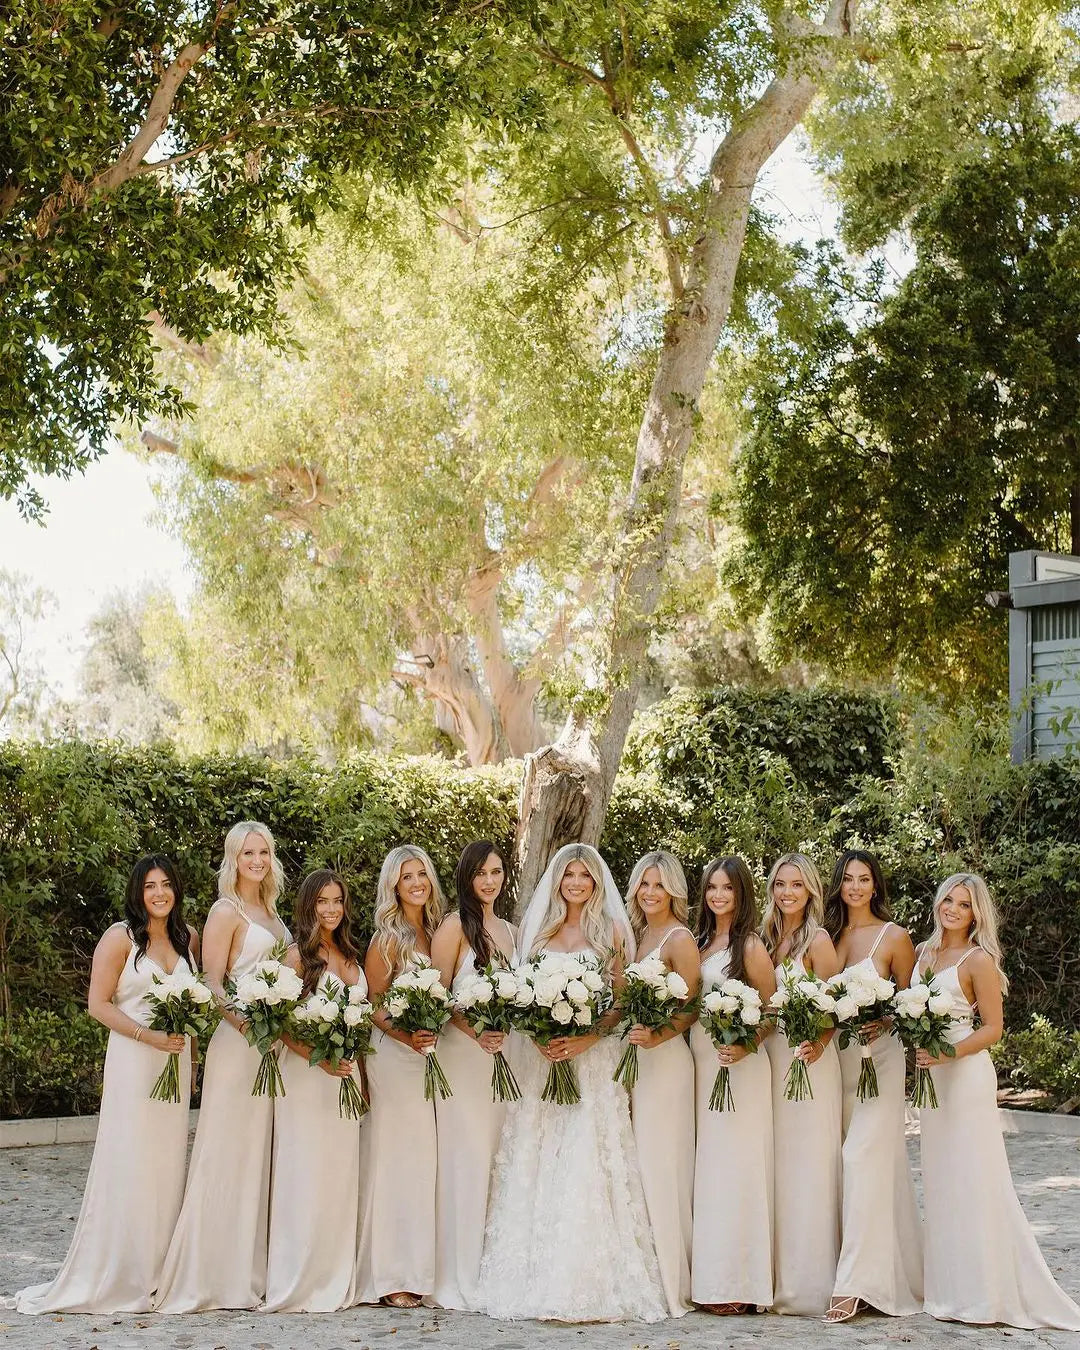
(582, 72)
(663, 220)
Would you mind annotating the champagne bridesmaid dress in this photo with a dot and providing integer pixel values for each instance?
(662, 1108)
(733, 1178)
(136, 1180)
(807, 1179)
(313, 1193)
(217, 1257)
(982, 1263)
(881, 1254)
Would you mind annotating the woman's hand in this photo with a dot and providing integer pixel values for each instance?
(731, 1054)
(810, 1052)
(422, 1041)
(491, 1041)
(343, 1070)
(648, 1040)
(567, 1047)
(161, 1040)
(925, 1060)
(872, 1030)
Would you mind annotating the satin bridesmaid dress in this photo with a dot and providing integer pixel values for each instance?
(733, 1177)
(136, 1180)
(982, 1263)
(217, 1256)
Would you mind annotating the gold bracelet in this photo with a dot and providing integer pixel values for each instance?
(138, 1033)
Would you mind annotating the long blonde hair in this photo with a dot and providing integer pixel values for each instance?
(984, 921)
(271, 885)
(673, 879)
(395, 937)
(772, 922)
(596, 923)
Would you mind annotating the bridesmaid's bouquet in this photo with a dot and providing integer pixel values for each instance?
(730, 1015)
(418, 1001)
(179, 1007)
(561, 994)
(651, 996)
(335, 1024)
(265, 998)
(802, 1009)
(862, 999)
(488, 1002)
(923, 1017)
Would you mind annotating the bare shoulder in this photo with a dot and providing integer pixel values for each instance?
(451, 924)
(292, 956)
(683, 942)
(979, 962)
(821, 944)
(114, 940)
(755, 947)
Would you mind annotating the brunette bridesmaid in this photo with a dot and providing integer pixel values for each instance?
(136, 1180)
(806, 1134)
(662, 1101)
(217, 1256)
(881, 1253)
(733, 1177)
(398, 1146)
(469, 1122)
(982, 1263)
(316, 1163)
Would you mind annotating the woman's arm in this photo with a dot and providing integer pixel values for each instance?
(822, 961)
(761, 974)
(379, 978)
(684, 959)
(985, 990)
(110, 957)
(901, 958)
(221, 926)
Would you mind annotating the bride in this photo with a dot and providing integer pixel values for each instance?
(568, 1234)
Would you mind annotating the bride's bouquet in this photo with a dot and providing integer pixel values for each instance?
(265, 998)
(862, 998)
(923, 1017)
(651, 996)
(488, 1002)
(802, 1009)
(561, 994)
(335, 1025)
(179, 1007)
(730, 1015)
(417, 1001)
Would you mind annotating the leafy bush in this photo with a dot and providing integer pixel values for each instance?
(1044, 1057)
(50, 1062)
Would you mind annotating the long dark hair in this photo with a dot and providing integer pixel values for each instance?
(836, 910)
(470, 909)
(138, 919)
(306, 923)
(744, 921)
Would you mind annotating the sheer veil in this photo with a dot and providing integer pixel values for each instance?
(535, 916)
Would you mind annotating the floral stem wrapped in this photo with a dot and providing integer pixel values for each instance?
(561, 994)
(180, 1006)
(417, 1001)
(265, 998)
(488, 1002)
(730, 1015)
(335, 1024)
(802, 1009)
(650, 997)
(863, 998)
(923, 1019)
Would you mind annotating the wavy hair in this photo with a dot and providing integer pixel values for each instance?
(395, 937)
(271, 885)
(772, 922)
(306, 923)
(984, 921)
(673, 879)
(470, 907)
(744, 921)
(596, 923)
(835, 909)
(138, 919)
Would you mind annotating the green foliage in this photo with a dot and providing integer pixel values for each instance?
(1041, 1056)
(50, 1062)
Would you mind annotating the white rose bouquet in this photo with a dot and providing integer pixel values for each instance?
(862, 998)
(265, 998)
(561, 994)
(923, 1017)
(731, 1015)
(802, 1009)
(488, 1002)
(180, 1006)
(650, 997)
(335, 1025)
(418, 1001)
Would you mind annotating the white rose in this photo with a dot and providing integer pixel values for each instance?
(728, 1003)
(396, 1005)
(427, 977)
(525, 996)
(824, 1002)
(562, 1012)
(546, 991)
(506, 984)
(751, 1015)
(864, 995)
(483, 992)
(712, 1000)
(733, 987)
(583, 1017)
(846, 1008)
(258, 991)
(329, 1011)
(677, 985)
(592, 980)
(940, 1003)
(577, 991)
(779, 999)
(808, 987)
(884, 989)
(273, 996)
(200, 993)
(353, 1016)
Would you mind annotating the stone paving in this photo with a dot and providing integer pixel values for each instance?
(40, 1190)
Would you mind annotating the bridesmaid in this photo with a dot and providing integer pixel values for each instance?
(806, 1134)
(881, 1254)
(217, 1259)
(136, 1180)
(982, 1263)
(398, 1148)
(469, 1122)
(662, 1102)
(733, 1179)
(316, 1163)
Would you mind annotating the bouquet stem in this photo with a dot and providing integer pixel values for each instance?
(434, 1079)
(562, 1084)
(504, 1086)
(867, 1086)
(626, 1071)
(352, 1104)
(797, 1083)
(167, 1086)
(268, 1081)
(925, 1094)
(722, 1098)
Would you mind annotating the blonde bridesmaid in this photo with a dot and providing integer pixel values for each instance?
(398, 1146)
(469, 1122)
(136, 1180)
(662, 1101)
(316, 1162)
(881, 1253)
(982, 1263)
(733, 1177)
(806, 1134)
(217, 1256)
